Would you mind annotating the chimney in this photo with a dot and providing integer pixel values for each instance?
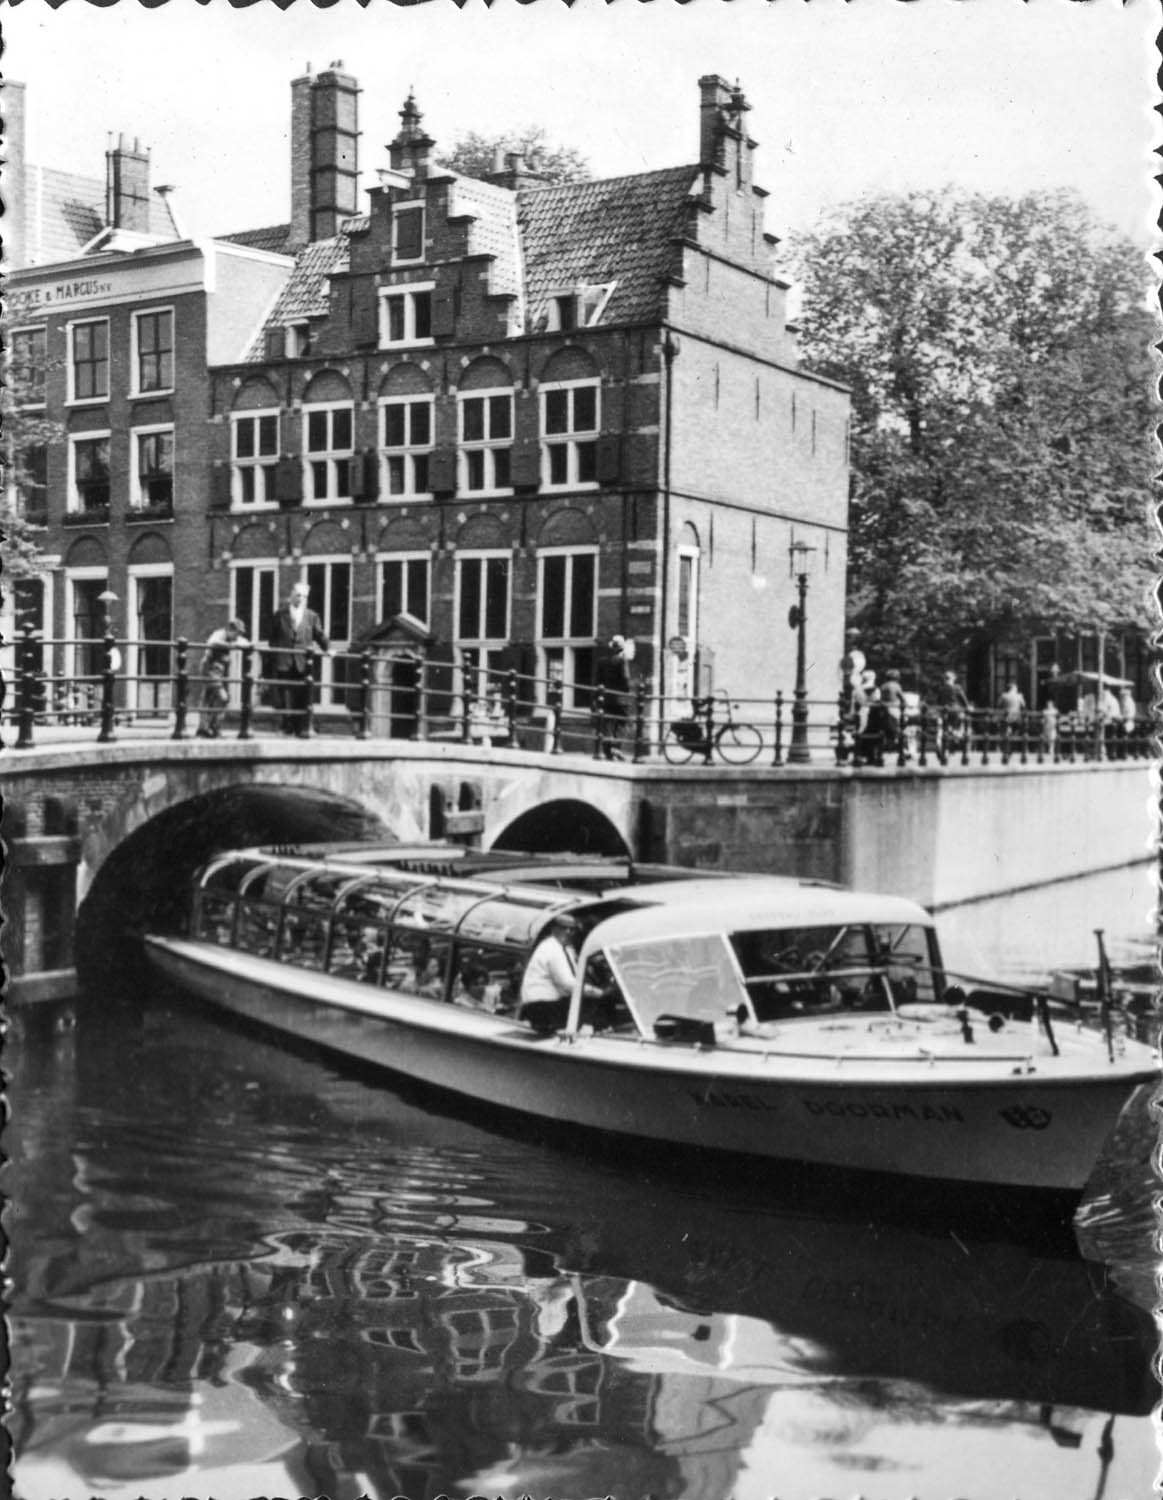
(410, 151)
(722, 111)
(127, 187)
(514, 173)
(15, 225)
(324, 153)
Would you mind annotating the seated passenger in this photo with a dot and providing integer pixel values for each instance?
(474, 989)
(549, 976)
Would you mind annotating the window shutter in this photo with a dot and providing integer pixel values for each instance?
(526, 465)
(443, 313)
(442, 471)
(365, 330)
(275, 341)
(220, 487)
(371, 474)
(289, 482)
(609, 459)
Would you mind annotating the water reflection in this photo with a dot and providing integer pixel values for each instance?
(242, 1273)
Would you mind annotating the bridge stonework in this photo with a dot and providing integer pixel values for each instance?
(86, 827)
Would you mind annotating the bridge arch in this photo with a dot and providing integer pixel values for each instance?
(565, 823)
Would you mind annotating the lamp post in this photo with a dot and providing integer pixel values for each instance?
(800, 556)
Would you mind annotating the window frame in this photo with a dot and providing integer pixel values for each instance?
(256, 626)
(384, 560)
(73, 507)
(22, 332)
(137, 389)
(409, 452)
(256, 464)
(159, 685)
(476, 655)
(71, 329)
(136, 500)
(573, 439)
(564, 649)
(398, 210)
(332, 686)
(81, 653)
(489, 446)
(410, 291)
(331, 456)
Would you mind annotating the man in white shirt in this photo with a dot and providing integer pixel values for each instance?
(549, 976)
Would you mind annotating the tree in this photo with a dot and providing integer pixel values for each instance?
(475, 155)
(26, 434)
(998, 353)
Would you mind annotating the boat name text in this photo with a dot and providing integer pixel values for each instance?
(853, 1109)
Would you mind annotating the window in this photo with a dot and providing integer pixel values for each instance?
(569, 430)
(32, 482)
(688, 593)
(328, 443)
(151, 620)
(407, 232)
(26, 361)
(405, 586)
(89, 465)
(154, 341)
(486, 440)
(297, 343)
(256, 449)
(329, 594)
(581, 307)
(252, 598)
(482, 617)
(89, 361)
(406, 316)
(405, 447)
(153, 461)
(567, 621)
(85, 610)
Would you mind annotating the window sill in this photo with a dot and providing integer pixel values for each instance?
(463, 494)
(150, 513)
(408, 344)
(87, 401)
(425, 499)
(151, 395)
(257, 508)
(96, 517)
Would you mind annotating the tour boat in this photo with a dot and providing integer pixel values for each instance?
(766, 1016)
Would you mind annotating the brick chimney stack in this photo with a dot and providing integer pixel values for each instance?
(412, 148)
(324, 153)
(127, 187)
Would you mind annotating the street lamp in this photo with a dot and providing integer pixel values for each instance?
(800, 555)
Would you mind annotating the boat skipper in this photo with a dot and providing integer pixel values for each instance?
(549, 976)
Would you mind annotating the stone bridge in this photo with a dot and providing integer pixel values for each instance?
(102, 839)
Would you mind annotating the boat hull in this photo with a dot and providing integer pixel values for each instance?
(1030, 1131)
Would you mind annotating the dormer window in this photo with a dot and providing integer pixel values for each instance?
(298, 342)
(406, 315)
(580, 307)
(407, 233)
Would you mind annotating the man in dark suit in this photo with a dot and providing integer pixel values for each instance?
(296, 634)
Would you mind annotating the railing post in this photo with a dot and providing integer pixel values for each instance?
(554, 694)
(311, 682)
(902, 758)
(181, 686)
(466, 703)
(986, 725)
(639, 750)
(599, 722)
(708, 728)
(422, 703)
(363, 713)
(246, 692)
(108, 684)
(777, 758)
(922, 733)
(511, 706)
(841, 728)
(25, 691)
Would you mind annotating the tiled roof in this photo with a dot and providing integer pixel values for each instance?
(621, 229)
(306, 292)
(273, 238)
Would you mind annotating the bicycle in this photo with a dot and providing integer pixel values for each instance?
(736, 743)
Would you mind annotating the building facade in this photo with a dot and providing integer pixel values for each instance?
(513, 418)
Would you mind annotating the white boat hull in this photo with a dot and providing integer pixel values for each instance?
(981, 1121)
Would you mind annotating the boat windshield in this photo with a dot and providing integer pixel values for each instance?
(850, 966)
(692, 976)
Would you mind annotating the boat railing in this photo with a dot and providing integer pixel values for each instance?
(114, 685)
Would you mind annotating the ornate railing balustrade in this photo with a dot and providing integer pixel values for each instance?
(365, 694)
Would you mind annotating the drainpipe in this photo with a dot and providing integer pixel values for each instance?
(669, 353)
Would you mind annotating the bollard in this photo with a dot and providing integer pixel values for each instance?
(108, 684)
(363, 715)
(246, 692)
(181, 686)
(777, 758)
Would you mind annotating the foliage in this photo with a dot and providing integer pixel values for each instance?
(475, 155)
(26, 435)
(998, 353)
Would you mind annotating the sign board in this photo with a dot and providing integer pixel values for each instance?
(457, 824)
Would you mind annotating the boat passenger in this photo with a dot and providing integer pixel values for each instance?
(549, 976)
(475, 990)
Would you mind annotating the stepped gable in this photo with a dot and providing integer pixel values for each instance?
(620, 229)
(274, 238)
(306, 292)
(493, 230)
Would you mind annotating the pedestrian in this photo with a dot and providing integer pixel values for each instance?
(614, 681)
(892, 695)
(296, 634)
(852, 665)
(1013, 706)
(953, 701)
(215, 671)
(1129, 711)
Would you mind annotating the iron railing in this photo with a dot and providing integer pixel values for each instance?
(368, 695)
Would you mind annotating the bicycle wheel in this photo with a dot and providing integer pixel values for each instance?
(739, 744)
(679, 749)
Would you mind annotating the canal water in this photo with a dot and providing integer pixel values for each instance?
(241, 1271)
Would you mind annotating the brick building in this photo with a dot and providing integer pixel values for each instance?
(507, 418)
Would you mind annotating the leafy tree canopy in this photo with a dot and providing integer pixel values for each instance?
(475, 155)
(998, 353)
(26, 435)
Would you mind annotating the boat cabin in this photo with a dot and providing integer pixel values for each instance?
(671, 958)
